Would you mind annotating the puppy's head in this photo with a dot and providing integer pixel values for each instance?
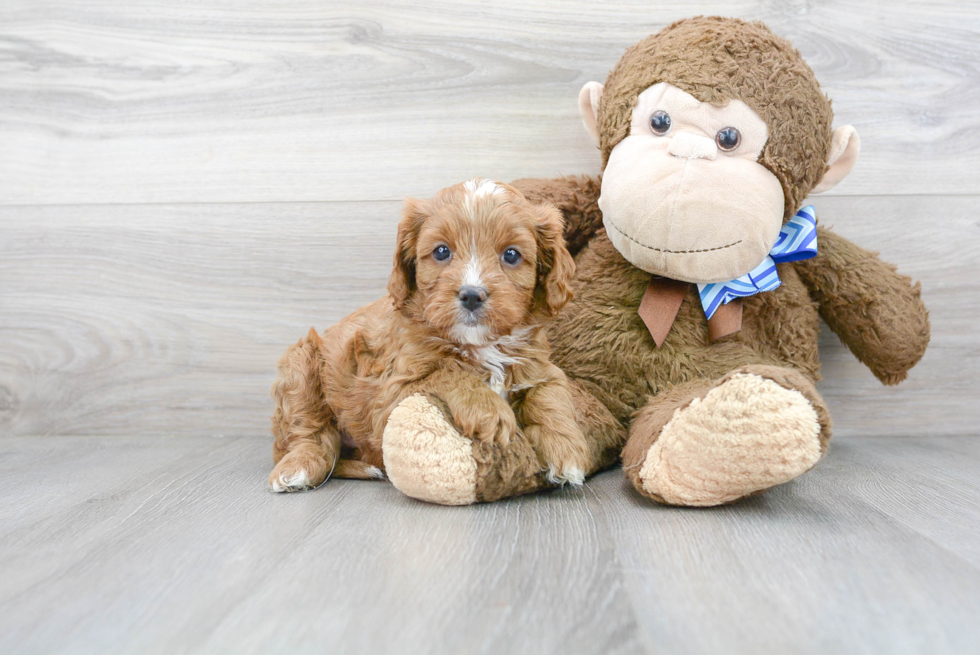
(478, 260)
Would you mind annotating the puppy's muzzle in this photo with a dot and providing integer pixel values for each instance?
(472, 298)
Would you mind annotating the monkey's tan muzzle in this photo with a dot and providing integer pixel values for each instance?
(677, 209)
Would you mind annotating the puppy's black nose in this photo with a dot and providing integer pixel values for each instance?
(472, 297)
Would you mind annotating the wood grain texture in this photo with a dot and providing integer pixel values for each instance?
(849, 558)
(304, 100)
(164, 545)
(181, 309)
(169, 319)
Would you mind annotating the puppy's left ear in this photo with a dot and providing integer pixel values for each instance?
(401, 284)
(555, 265)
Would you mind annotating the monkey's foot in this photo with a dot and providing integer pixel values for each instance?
(427, 458)
(757, 427)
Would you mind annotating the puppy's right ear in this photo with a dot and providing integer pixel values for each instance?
(401, 284)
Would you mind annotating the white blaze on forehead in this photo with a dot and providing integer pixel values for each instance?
(473, 274)
(475, 189)
(479, 188)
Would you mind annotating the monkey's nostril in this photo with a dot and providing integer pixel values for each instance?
(472, 297)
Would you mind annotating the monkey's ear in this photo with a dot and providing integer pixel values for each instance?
(845, 146)
(401, 284)
(588, 106)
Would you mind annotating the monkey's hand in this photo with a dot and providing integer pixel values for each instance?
(576, 197)
(876, 312)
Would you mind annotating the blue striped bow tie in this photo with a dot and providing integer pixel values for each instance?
(797, 240)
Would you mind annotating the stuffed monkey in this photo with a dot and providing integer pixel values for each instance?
(691, 343)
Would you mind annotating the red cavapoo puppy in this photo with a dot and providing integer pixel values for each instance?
(478, 271)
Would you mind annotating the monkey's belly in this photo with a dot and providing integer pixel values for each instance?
(600, 337)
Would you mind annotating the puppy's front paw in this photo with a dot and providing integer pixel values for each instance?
(487, 418)
(564, 456)
(567, 462)
(560, 476)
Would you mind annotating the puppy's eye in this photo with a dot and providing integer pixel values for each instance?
(728, 138)
(511, 256)
(660, 122)
(441, 253)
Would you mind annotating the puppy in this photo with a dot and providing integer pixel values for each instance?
(477, 272)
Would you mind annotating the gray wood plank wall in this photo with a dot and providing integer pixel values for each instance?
(187, 187)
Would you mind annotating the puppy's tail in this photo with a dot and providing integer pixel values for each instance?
(357, 470)
(302, 420)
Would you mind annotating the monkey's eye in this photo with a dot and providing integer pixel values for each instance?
(660, 122)
(511, 256)
(728, 138)
(441, 253)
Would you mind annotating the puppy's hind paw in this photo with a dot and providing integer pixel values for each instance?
(572, 475)
(284, 482)
(299, 470)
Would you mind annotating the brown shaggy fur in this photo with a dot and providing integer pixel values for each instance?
(489, 369)
(626, 388)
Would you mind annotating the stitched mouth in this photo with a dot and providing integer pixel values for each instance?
(671, 252)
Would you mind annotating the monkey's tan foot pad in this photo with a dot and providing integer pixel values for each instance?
(427, 458)
(745, 435)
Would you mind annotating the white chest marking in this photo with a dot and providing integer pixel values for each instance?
(492, 359)
(497, 362)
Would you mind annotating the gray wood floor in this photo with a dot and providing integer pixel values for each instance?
(173, 545)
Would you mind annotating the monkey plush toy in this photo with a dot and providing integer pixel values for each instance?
(691, 343)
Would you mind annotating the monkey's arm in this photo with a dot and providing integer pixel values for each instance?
(874, 310)
(576, 196)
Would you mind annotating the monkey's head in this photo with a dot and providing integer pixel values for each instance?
(712, 133)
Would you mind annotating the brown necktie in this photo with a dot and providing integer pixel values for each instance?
(662, 300)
